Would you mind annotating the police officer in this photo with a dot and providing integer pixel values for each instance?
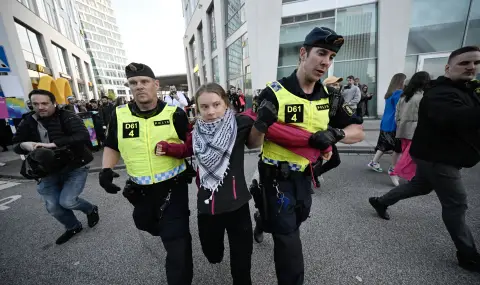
(157, 186)
(302, 101)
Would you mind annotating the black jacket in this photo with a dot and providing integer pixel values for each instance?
(448, 129)
(233, 193)
(106, 113)
(64, 128)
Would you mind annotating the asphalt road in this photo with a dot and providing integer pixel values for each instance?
(344, 241)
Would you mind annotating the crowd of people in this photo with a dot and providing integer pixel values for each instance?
(296, 120)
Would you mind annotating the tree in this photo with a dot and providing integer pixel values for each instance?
(111, 94)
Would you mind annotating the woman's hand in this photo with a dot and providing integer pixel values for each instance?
(158, 150)
(327, 155)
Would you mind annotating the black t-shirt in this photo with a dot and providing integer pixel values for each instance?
(341, 118)
(180, 122)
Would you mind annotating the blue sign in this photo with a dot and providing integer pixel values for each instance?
(4, 66)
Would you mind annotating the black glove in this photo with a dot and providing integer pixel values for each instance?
(323, 139)
(266, 116)
(106, 180)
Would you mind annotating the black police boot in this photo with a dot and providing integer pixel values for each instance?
(257, 231)
(93, 217)
(470, 263)
(68, 235)
(380, 208)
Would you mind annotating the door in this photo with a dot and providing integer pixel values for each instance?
(433, 64)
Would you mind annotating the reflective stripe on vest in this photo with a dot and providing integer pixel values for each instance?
(311, 116)
(137, 138)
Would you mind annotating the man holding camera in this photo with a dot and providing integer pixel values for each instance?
(59, 140)
(176, 98)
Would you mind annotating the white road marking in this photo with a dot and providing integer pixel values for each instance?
(7, 184)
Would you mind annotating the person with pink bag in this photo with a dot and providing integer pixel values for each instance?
(406, 116)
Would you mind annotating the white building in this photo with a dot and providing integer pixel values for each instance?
(247, 43)
(42, 37)
(104, 44)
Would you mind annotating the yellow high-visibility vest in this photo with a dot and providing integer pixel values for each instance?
(137, 138)
(311, 116)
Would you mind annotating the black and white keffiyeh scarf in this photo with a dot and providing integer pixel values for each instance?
(212, 146)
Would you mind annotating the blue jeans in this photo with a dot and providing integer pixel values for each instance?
(60, 192)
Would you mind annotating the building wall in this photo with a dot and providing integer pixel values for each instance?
(104, 45)
(13, 10)
(382, 37)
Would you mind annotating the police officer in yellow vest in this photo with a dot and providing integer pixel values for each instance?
(157, 185)
(302, 101)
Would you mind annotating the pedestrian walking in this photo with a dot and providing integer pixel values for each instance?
(157, 186)
(351, 94)
(53, 133)
(447, 138)
(388, 127)
(406, 117)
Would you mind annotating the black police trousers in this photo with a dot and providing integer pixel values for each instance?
(284, 223)
(238, 224)
(172, 225)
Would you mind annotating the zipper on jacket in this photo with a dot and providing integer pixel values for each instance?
(147, 137)
(213, 203)
(234, 188)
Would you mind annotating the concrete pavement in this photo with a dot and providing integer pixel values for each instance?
(344, 241)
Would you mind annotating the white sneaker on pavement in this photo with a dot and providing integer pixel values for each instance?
(375, 166)
(2, 164)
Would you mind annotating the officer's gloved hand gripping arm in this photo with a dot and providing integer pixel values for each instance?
(267, 115)
(111, 156)
(110, 159)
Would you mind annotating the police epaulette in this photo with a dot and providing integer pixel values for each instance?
(122, 106)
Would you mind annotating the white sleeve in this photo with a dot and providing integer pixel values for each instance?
(181, 99)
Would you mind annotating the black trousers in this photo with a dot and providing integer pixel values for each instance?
(320, 167)
(284, 223)
(447, 183)
(172, 226)
(238, 224)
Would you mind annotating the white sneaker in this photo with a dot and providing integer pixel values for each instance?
(375, 166)
(395, 180)
(2, 164)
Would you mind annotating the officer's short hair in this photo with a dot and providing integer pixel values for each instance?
(42, 92)
(462, 50)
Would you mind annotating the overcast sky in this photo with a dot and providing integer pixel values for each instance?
(152, 32)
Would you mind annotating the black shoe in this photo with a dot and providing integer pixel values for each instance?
(68, 235)
(257, 231)
(5, 149)
(470, 263)
(93, 217)
(381, 209)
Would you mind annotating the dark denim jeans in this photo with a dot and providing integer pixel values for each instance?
(60, 192)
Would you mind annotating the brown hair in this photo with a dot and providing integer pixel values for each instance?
(396, 83)
(211, 87)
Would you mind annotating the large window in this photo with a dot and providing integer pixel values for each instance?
(235, 12)
(77, 67)
(30, 42)
(61, 59)
(201, 43)
(216, 72)
(292, 37)
(51, 15)
(358, 56)
(473, 28)
(213, 34)
(237, 69)
(439, 31)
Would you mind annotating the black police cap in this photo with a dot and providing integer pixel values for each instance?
(138, 69)
(325, 38)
